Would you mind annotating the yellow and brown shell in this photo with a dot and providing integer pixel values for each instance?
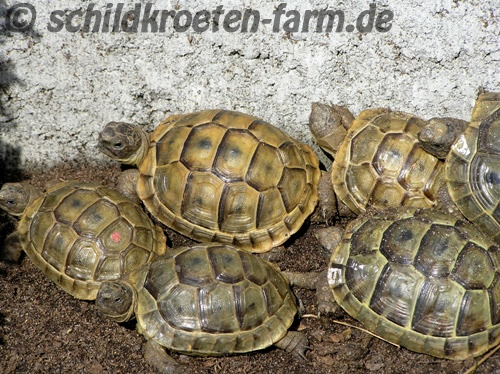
(421, 279)
(81, 234)
(213, 299)
(228, 177)
(473, 167)
(381, 164)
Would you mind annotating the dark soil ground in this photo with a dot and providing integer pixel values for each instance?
(44, 330)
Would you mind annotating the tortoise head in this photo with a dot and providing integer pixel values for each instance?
(124, 142)
(329, 124)
(116, 300)
(439, 134)
(15, 197)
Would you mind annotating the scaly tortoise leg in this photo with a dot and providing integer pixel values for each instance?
(329, 238)
(294, 342)
(126, 184)
(156, 356)
(276, 254)
(315, 281)
(11, 248)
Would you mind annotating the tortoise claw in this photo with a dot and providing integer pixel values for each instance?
(300, 351)
(296, 343)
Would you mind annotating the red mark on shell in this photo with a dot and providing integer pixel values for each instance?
(116, 236)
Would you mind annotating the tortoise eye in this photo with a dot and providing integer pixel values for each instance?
(117, 145)
(11, 202)
(118, 300)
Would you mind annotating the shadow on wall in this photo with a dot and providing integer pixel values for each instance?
(10, 154)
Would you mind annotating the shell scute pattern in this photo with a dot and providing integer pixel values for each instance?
(228, 177)
(421, 279)
(235, 154)
(380, 163)
(473, 167)
(214, 299)
(81, 234)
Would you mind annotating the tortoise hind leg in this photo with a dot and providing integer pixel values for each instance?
(294, 342)
(11, 249)
(156, 356)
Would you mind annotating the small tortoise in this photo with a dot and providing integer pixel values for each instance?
(219, 175)
(80, 234)
(420, 278)
(472, 169)
(378, 160)
(205, 300)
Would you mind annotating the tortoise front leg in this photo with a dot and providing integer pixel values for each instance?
(276, 254)
(329, 208)
(156, 356)
(329, 238)
(11, 248)
(126, 184)
(294, 342)
(315, 281)
(308, 280)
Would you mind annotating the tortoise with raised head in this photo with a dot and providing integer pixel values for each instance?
(472, 169)
(206, 300)
(379, 161)
(219, 175)
(422, 279)
(81, 234)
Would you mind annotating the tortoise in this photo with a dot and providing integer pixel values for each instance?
(420, 278)
(81, 234)
(207, 300)
(378, 162)
(472, 169)
(218, 176)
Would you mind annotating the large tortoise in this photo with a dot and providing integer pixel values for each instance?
(472, 169)
(420, 278)
(206, 300)
(219, 175)
(378, 160)
(81, 234)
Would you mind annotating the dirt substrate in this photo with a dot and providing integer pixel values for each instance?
(44, 330)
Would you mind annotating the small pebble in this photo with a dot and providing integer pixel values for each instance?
(374, 367)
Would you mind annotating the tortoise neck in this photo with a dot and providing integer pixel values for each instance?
(34, 194)
(136, 280)
(133, 307)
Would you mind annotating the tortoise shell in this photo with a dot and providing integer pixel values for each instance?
(422, 279)
(473, 167)
(80, 234)
(213, 299)
(228, 177)
(381, 164)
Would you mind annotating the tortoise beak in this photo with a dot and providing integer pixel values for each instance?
(3, 199)
(104, 142)
(100, 141)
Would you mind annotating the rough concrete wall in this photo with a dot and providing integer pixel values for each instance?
(60, 88)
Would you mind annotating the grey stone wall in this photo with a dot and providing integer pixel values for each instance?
(58, 89)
